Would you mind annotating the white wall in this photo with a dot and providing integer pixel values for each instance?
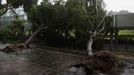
(126, 20)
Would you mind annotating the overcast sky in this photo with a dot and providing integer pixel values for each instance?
(117, 5)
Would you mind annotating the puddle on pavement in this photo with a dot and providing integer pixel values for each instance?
(129, 69)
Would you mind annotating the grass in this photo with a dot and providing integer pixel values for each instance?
(126, 32)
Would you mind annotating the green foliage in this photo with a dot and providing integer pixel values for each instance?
(126, 32)
(5, 35)
(14, 31)
(69, 23)
(11, 4)
(16, 27)
(29, 4)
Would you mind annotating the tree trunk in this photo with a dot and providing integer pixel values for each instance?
(32, 36)
(89, 46)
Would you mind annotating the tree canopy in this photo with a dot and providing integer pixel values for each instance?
(13, 4)
(71, 23)
(74, 20)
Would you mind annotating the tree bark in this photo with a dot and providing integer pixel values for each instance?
(89, 46)
(32, 36)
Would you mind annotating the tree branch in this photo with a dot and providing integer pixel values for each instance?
(97, 13)
(101, 21)
(6, 9)
(101, 28)
(13, 11)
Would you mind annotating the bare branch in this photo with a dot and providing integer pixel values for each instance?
(90, 21)
(6, 9)
(3, 12)
(44, 27)
(101, 28)
(36, 25)
(97, 13)
(87, 17)
(38, 16)
(101, 21)
(13, 11)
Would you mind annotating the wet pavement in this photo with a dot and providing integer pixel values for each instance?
(56, 64)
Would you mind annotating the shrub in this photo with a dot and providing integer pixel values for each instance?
(13, 32)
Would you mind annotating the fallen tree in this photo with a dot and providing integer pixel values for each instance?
(30, 39)
(8, 48)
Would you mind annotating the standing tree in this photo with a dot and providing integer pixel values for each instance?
(90, 16)
(94, 15)
(82, 15)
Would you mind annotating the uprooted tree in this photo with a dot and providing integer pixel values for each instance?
(87, 15)
(95, 24)
(6, 5)
(101, 62)
(45, 16)
(94, 15)
(90, 16)
(41, 16)
(84, 16)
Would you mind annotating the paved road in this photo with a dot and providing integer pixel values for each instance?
(11, 64)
